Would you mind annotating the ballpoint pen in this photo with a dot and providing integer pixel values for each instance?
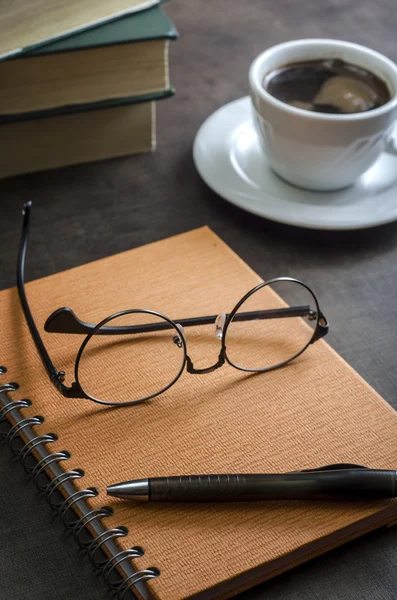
(331, 482)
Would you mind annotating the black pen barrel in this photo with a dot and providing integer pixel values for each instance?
(359, 484)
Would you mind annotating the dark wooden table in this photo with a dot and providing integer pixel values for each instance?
(87, 212)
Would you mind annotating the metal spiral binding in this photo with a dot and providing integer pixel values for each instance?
(39, 469)
(12, 405)
(26, 450)
(8, 387)
(81, 524)
(96, 544)
(59, 481)
(132, 580)
(71, 500)
(15, 429)
(108, 566)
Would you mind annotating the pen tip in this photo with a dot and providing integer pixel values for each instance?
(130, 490)
(113, 490)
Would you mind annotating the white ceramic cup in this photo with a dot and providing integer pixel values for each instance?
(321, 151)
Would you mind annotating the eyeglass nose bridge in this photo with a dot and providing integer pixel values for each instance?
(191, 369)
(220, 325)
(176, 339)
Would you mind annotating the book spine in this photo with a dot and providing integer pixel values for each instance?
(56, 483)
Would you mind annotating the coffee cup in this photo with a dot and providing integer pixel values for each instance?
(318, 150)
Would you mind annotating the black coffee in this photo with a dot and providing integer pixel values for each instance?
(331, 86)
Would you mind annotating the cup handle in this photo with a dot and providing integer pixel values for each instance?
(391, 146)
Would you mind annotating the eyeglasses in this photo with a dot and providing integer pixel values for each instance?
(149, 350)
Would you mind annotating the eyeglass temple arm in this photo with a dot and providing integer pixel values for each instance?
(55, 375)
(64, 320)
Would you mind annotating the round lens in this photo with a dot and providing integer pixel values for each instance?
(133, 356)
(273, 325)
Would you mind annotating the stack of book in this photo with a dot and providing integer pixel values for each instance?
(79, 80)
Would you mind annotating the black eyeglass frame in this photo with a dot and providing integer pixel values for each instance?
(63, 320)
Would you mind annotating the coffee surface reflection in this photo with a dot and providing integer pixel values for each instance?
(328, 86)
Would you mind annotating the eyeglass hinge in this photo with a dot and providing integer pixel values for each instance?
(322, 328)
(74, 391)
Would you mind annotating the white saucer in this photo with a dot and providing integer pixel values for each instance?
(228, 157)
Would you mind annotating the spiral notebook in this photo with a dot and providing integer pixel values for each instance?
(315, 411)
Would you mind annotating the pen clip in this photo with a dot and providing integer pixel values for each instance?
(334, 467)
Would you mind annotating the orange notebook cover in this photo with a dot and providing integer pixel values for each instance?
(315, 411)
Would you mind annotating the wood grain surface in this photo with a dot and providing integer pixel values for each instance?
(87, 212)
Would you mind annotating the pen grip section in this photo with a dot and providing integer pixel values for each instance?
(355, 484)
(197, 488)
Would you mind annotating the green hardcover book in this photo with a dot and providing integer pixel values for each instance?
(82, 108)
(29, 23)
(95, 133)
(125, 58)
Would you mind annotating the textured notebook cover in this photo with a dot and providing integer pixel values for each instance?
(315, 411)
(27, 24)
